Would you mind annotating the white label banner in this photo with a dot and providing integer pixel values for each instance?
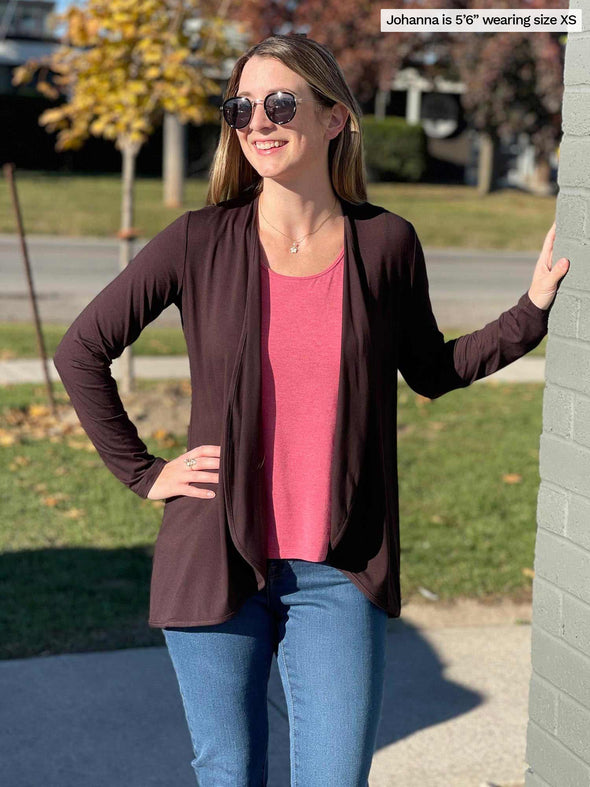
(484, 20)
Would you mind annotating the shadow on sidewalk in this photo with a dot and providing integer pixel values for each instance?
(115, 717)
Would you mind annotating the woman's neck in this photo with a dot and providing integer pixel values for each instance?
(297, 212)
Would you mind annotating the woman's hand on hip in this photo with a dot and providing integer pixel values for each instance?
(176, 477)
(547, 276)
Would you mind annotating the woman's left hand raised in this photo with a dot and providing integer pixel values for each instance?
(547, 276)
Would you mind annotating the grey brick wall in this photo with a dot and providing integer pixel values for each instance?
(558, 731)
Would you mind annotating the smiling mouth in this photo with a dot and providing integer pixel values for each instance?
(268, 145)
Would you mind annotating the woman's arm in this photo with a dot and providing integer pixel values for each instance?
(432, 367)
(112, 321)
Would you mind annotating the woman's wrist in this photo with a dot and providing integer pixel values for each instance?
(540, 301)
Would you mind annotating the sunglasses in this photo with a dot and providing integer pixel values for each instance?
(280, 108)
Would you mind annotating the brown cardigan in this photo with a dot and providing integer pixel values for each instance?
(209, 555)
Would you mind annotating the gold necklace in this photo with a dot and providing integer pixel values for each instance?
(295, 243)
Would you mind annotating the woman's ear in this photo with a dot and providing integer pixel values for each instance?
(337, 120)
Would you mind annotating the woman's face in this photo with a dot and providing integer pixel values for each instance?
(306, 138)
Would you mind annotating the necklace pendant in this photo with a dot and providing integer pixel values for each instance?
(294, 248)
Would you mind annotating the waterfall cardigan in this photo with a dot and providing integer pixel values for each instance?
(209, 555)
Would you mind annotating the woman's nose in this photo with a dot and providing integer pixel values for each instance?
(259, 118)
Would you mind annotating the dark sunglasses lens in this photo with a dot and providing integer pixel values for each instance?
(237, 111)
(280, 107)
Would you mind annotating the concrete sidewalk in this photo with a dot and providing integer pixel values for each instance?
(162, 367)
(454, 715)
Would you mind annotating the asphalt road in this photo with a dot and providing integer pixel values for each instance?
(467, 288)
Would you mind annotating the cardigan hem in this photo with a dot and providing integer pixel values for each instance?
(174, 622)
(182, 623)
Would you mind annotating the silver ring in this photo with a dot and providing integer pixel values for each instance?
(190, 462)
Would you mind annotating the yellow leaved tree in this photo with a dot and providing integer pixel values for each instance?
(121, 65)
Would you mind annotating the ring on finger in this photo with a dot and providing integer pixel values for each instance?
(190, 463)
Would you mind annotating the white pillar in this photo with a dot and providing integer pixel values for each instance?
(413, 102)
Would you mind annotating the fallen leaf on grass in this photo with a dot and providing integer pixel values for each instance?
(165, 438)
(12, 416)
(528, 572)
(160, 434)
(19, 461)
(38, 411)
(512, 478)
(81, 445)
(74, 513)
(35, 422)
(6, 438)
(54, 500)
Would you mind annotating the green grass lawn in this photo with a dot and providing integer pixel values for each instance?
(76, 545)
(468, 476)
(54, 204)
(19, 340)
(443, 215)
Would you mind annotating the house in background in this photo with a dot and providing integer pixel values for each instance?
(453, 146)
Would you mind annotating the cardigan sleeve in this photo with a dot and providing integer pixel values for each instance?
(112, 321)
(432, 366)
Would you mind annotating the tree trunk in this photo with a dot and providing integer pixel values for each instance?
(381, 102)
(485, 164)
(174, 164)
(127, 236)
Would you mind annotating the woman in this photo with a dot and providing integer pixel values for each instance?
(299, 302)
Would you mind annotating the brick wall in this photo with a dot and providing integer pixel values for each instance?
(558, 732)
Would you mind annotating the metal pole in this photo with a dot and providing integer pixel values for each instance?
(9, 174)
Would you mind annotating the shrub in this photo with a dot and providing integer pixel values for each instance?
(394, 149)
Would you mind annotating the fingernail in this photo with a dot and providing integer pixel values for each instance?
(210, 494)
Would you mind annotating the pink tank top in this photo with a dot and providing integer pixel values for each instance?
(300, 343)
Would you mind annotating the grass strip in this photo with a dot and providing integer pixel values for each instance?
(19, 340)
(444, 215)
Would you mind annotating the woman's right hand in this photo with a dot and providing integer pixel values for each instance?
(175, 477)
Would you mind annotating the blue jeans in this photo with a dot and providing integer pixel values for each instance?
(329, 639)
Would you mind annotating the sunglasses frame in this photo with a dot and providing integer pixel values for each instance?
(263, 102)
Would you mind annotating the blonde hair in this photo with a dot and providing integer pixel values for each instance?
(231, 173)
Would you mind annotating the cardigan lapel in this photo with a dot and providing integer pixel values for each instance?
(352, 410)
(243, 458)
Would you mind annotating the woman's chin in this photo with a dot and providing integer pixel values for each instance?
(271, 173)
